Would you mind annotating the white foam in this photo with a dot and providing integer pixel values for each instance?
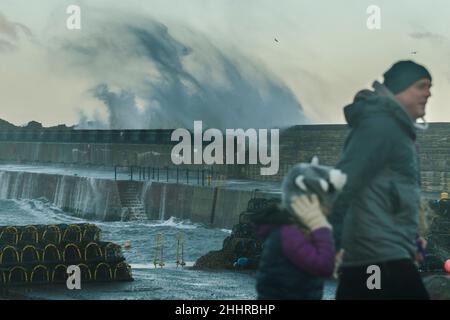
(171, 222)
(176, 223)
(46, 212)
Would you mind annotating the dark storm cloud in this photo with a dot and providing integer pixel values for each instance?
(175, 95)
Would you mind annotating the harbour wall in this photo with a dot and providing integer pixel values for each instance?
(99, 199)
(152, 148)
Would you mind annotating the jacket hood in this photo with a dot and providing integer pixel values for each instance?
(379, 102)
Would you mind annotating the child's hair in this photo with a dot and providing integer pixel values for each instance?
(270, 213)
(312, 178)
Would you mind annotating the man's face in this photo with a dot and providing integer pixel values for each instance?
(415, 98)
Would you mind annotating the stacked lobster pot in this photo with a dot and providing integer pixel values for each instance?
(41, 254)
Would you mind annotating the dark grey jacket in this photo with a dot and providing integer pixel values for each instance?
(382, 195)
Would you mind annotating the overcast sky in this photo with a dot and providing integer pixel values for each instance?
(323, 54)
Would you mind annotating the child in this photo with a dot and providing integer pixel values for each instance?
(299, 250)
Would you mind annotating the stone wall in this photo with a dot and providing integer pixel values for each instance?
(301, 143)
(297, 144)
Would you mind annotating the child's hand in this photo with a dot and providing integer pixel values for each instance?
(308, 211)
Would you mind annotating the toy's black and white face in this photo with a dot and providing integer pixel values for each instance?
(311, 178)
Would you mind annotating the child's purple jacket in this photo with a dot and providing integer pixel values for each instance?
(315, 253)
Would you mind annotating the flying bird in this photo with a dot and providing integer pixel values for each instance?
(414, 52)
(276, 40)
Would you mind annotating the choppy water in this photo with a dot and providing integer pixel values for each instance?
(169, 282)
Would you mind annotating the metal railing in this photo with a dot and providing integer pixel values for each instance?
(167, 174)
(157, 136)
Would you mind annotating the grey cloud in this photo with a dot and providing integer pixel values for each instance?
(12, 29)
(6, 45)
(427, 35)
(10, 32)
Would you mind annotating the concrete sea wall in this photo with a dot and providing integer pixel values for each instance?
(216, 207)
(99, 199)
(84, 197)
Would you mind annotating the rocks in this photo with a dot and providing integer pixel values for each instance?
(220, 259)
(234, 248)
(241, 246)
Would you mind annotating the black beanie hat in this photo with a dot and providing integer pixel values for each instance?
(403, 74)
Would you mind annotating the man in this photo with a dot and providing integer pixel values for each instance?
(382, 196)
